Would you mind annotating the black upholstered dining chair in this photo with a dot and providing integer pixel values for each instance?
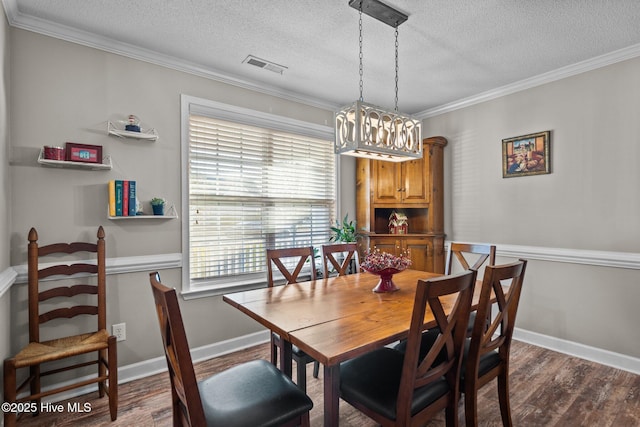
(487, 352)
(408, 389)
(290, 263)
(465, 254)
(252, 394)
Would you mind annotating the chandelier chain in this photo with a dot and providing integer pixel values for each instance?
(360, 45)
(397, 68)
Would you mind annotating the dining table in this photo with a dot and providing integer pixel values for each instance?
(334, 319)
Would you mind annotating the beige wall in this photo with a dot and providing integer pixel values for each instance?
(589, 201)
(66, 92)
(5, 309)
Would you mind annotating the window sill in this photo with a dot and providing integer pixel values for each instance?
(210, 291)
(204, 291)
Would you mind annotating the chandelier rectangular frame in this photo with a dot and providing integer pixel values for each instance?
(364, 130)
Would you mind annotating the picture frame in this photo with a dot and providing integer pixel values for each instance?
(83, 153)
(526, 155)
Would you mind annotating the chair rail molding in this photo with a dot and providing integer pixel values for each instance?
(628, 260)
(7, 278)
(121, 265)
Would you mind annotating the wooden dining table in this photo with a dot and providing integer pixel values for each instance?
(335, 319)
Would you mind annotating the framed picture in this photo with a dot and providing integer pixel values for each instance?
(83, 153)
(526, 155)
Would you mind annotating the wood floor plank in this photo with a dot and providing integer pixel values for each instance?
(547, 389)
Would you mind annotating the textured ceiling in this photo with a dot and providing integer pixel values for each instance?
(450, 50)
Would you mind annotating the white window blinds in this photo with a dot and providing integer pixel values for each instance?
(251, 189)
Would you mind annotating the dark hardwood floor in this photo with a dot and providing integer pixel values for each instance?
(547, 389)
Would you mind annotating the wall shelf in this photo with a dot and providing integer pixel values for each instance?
(105, 165)
(145, 216)
(172, 214)
(145, 134)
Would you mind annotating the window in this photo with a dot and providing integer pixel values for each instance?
(254, 181)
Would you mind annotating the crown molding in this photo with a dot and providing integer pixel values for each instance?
(19, 20)
(541, 79)
(63, 32)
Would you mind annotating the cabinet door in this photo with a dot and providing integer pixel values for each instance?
(421, 252)
(415, 180)
(387, 182)
(385, 244)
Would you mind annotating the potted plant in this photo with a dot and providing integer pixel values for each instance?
(157, 204)
(345, 232)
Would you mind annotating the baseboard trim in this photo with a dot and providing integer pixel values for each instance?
(158, 365)
(593, 354)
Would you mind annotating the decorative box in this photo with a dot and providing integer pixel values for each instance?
(53, 153)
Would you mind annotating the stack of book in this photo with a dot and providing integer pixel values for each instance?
(122, 198)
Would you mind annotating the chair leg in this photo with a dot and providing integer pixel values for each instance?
(304, 420)
(470, 407)
(102, 370)
(503, 397)
(302, 374)
(9, 392)
(451, 412)
(34, 371)
(274, 351)
(112, 355)
(316, 368)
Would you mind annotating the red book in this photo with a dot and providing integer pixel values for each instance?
(125, 198)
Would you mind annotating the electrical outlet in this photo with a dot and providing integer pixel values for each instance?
(120, 331)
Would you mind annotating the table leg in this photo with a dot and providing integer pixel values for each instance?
(286, 357)
(331, 395)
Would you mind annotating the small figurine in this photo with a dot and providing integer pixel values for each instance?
(134, 124)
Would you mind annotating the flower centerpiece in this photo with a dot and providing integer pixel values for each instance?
(385, 265)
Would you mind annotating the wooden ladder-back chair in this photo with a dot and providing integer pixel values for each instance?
(488, 350)
(39, 352)
(300, 257)
(254, 393)
(408, 389)
(350, 252)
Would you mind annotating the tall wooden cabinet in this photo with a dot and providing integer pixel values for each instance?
(414, 187)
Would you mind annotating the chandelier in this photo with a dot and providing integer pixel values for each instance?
(364, 130)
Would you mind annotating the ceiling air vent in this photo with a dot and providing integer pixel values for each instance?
(267, 65)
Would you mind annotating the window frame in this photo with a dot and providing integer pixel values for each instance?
(217, 110)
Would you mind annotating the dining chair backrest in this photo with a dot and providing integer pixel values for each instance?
(464, 253)
(298, 256)
(444, 357)
(185, 396)
(489, 347)
(341, 264)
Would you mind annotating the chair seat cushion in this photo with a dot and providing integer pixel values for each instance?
(252, 394)
(487, 362)
(374, 379)
(46, 351)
